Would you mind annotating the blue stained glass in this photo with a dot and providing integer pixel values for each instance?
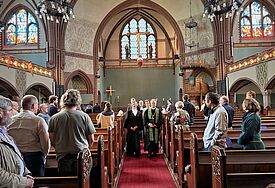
(245, 21)
(261, 24)
(149, 28)
(135, 34)
(246, 11)
(12, 19)
(11, 34)
(32, 35)
(256, 19)
(126, 29)
(255, 8)
(268, 31)
(125, 38)
(24, 30)
(22, 16)
(265, 11)
(31, 19)
(142, 25)
(133, 25)
(267, 20)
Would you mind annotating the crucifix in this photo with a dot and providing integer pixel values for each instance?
(110, 91)
(137, 33)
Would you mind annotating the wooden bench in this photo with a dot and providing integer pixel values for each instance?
(238, 161)
(82, 180)
(225, 175)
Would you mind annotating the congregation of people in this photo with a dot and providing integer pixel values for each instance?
(27, 135)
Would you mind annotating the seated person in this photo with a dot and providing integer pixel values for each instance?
(106, 118)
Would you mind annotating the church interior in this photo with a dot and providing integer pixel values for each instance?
(116, 50)
(88, 52)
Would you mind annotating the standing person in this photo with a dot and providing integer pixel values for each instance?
(140, 104)
(52, 108)
(224, 101)
(189, 107)
(15, 108)
(107, 117)
(30, 133)
(153, 121)
(145, 133)
(43, 112)
(170, 108)
(250, 137)
(216, 129)
(13, 172)
(71, 131)
(96, 108)
(179, 112)
(133, 123)
(89, 108)
(250, 95)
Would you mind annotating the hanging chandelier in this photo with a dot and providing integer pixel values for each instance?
(212, 8)
(55, 9)
(191, 30)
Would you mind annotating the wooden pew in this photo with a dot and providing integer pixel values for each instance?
(109, 153)
(99, 175)
(238, 161)
(82, 180)
(225, 175)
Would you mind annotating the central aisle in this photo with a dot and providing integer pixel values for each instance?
(145, 173)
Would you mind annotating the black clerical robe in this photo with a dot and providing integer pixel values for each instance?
(132, 138)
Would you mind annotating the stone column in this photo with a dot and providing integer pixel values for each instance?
(267, 98)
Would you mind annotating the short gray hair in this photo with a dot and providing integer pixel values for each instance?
(4, 102)
(28, 101)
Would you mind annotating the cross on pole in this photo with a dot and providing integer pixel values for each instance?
(110, 91)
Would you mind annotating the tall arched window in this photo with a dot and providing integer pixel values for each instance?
(21, 28)
(256, 22)
(138, 39)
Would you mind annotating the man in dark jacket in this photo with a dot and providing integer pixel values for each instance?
(189, 107)
(230, 111)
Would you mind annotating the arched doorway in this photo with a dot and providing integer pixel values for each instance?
(238, 91)
(7, 90)
(271, 91)
(40, 91)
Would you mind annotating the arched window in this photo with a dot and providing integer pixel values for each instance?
(138, 39)
(21, 28)
(256, 22)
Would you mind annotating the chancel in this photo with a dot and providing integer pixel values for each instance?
(107, 63)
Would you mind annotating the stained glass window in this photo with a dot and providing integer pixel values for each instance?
(256, 22)
(21, 28)
(138, 39)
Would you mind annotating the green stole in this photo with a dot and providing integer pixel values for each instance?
(153, 132)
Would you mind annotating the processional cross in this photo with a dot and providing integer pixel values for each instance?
(110, 91)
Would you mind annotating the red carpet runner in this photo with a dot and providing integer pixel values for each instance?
(145, 173)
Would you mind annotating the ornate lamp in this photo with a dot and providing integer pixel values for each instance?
(218, 7)
(191, 32)
(55, 8)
